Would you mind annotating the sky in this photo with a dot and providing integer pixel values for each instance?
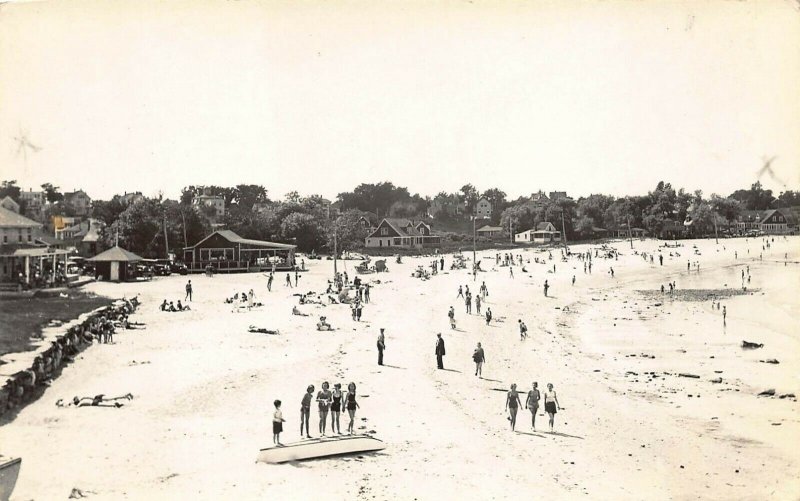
(318, 97)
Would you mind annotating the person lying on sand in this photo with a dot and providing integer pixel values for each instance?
(262, 330)
(95, 401)
(296, 311)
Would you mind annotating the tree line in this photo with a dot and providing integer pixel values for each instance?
(151, 226)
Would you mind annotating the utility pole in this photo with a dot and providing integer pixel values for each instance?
(510, 231)
(335, 253)
(716, 234)
(630, 232)
(166, 240)
(474, 262)
(563, 231)
(183, 218)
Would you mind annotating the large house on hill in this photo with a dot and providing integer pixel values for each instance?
(403, 233)
(772, 221)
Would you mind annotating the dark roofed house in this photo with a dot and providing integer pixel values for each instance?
(490, 231)
(403, 233)
(226, 251)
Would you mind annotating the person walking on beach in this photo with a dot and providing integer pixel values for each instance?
(440, 352)
(288, 281)
(324, 401)
(511, 271)
(296, 277)
(336, 408)
(479, 358)
(305, 409)
(484, 290)
(532, 403)
(277, 423)
(724, 315)
(366, 293)
(451, 314)
(188, 291)
(269, 282)
(523, 330)
(488, 315)
(352, 405)
(512, 405)
(573, 280)
(468, 303)
(661, 259)
(478, 304)
(551, 405)
(612, 272)
(381, 347)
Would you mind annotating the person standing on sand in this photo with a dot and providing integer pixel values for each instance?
(468, 303)
(305, 410)
(188, 291)
(512, 405)
(612, 272)
(532, 403)
(460, 292)
(573, 280)
(661, 259)
(352, 405)
(724, 315)
(366, 293)
(324, 401)
(478, 304)
(451, 314)
(511, 271)
(296, 277)
(479, 358)
(381, 347)
(288, 281)
(546, 288)
(440, 352)
(484, 290)
(488, 315)
(336, 408)
(523, 330)
(277, 423)
(269, 282)
(551, 405)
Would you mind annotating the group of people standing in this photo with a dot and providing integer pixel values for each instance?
(329, 402)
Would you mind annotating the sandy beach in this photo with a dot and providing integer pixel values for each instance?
(631, 428)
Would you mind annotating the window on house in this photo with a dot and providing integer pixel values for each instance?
(384, 231)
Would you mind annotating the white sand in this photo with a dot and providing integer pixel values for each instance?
(203, 403)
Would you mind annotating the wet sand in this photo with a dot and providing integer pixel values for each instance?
(632, 428)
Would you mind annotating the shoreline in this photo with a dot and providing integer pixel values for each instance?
(203, 388)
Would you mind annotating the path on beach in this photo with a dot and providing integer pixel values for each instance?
(204, 387)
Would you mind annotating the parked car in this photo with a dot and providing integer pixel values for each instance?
(178, 267)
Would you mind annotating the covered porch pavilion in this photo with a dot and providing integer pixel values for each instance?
(33, 267)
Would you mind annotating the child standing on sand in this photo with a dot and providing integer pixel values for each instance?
(277, 423)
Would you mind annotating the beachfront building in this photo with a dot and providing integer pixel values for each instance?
(489, 231)
(544, 233)
(622, 232)
(225, 251)
(115, 264)
(25, 261)
(402, 233)
(673, 229)
(772, 221)
(483, 209)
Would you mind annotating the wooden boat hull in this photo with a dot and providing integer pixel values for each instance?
(320, 448)
(9, 471)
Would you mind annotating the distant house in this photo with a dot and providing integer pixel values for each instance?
(773, 221)
(483, 208)
(489, 231)
(9, 204)
(35, 203)
(84, 236)
(599, 232)
(217, 202)
(226, 251)
(544, 233)
(131, 198)
(368, 221)
(79, 201)
(402, 233)
(539, 198)
(449, 205)
(261, 207)
(556, 195)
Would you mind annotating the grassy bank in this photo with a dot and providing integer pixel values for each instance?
(21, 319)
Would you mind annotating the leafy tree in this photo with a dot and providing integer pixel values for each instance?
(108, 211)
(375, 197)
(594, 208)
(497, 198)
(51, 193)
(350, 234)
(303, 229)
(469, 194)
(756, 198)
(10, 189)
(785, 199)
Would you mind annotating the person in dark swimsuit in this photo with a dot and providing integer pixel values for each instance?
(532, 403)
(352, 405)
(324, 401)
(512, 405)
(336, 408)
(305, 410)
